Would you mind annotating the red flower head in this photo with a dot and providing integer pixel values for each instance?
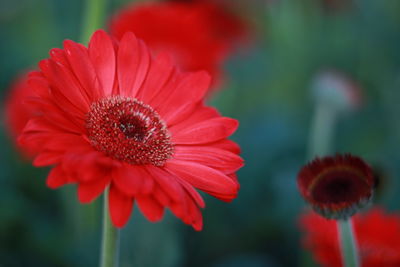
(16, 112)
(199, 35)
(336, 187)
(113, 116)
(377, 235)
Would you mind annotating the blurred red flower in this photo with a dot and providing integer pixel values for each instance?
(199, 34)
(17, 112)
(113, 116)
(336, 187)
(377, 235)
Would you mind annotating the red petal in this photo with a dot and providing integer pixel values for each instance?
(222, 197)
(193, 193)
(95, 164)
(64, 89)
(190, 90)
(203, 177)
(201, 113)
(161, 196)
(195, 216)
(33, 141)
(83, 69)
(226, 198)
(57, 178)
(101, 52)
(58, 55)
(189, 212)
(120, 207)
(166, 90)
(234, 178)
(57, 117)
(182, 114)
(41, 135)
(179, 209)
(89, 191)
(160, 71)
(182, 198)
(75, 156)
(38, 84)
(93, 169)
(148, 185)
(133, 64)
(167, 181)
(206, 132)
(150, 208)
(222, 160)
(39, 125)
(227, 145)
(130, 179)
(68, 142)
(47, 158)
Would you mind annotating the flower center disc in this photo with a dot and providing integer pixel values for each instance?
(126, 129)
(340, 186)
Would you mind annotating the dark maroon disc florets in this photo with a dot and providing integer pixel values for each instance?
(126, 129)
(336, 187)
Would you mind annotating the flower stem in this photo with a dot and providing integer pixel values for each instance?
(322, 130)
(93, 18)
(347, 243)
(110, 240)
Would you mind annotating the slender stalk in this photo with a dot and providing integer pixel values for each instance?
(110, 240)
(93, 18)
(348, 245)
(321, 144)
(322, 130)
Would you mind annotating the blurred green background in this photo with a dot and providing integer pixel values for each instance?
(268, 90)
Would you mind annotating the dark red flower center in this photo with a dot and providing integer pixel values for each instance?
(338, 186)
(126, 129)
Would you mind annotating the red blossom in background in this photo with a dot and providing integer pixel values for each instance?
(377, 235)
(111, 115)
(199, 34)
(17, 112)
(336, 187)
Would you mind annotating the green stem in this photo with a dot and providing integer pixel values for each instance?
(110, 241)
(322, 130)
(347, 243)
(93, 18)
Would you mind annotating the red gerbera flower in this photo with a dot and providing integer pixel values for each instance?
(199, 35)
(113, 116)
(336, 187)
(16, 112)
(377, 235)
